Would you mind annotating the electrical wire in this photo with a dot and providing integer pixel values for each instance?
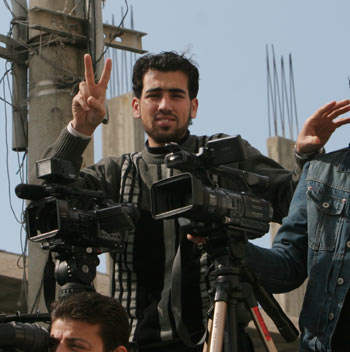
(8, 7)
(115, 33)
(21, 170)
(23, 296)
(17, 2)
(7, 159)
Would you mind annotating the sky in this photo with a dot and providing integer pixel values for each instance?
(228, 41)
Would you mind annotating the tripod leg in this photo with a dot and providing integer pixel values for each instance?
(218, 327)
(232, 324)
(206, 345)
(262, 329)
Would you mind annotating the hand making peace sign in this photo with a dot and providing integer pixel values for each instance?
(88, 105)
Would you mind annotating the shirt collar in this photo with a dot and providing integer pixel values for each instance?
(163, 150)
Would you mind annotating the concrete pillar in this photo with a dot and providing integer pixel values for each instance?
(281, 150)
(123, 133)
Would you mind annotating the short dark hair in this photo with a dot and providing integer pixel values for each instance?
(166, 61)
(96, 309)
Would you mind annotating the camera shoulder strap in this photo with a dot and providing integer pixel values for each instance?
(176, 299)
(123, 278)
(49, 282)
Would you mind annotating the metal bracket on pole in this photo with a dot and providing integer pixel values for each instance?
(72, 28)
(123, 38)
(55, 22)
(9, 53)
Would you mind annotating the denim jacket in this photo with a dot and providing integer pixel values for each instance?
(313, 241)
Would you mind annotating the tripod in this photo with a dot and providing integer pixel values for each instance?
(235, 286)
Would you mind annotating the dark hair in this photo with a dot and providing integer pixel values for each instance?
(166, 61)
(96, 309)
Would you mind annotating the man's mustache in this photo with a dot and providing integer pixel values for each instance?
(161, 115)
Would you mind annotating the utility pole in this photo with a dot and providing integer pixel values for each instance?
(19, 77)
(55, 67)
(52, 46)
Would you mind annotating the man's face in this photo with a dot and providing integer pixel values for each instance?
(74, 335)
(165, 107)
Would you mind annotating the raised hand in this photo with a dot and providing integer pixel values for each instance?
(88, 105)
(319, 127)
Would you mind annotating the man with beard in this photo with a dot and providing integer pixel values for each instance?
(165, 87)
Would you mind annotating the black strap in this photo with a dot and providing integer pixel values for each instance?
(176, 300)
(49, 282)
(112, 274)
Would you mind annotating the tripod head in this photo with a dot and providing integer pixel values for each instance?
(75, 270)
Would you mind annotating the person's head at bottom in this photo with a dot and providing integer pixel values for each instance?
(88, 321)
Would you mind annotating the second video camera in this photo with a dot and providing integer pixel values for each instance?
(197, 196)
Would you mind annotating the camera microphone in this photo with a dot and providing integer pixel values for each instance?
(31, 192)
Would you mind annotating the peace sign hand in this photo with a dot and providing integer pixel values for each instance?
(88, 105)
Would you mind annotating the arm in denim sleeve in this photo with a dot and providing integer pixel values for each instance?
(284, 267)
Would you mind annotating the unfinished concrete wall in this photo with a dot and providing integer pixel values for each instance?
(123, 133)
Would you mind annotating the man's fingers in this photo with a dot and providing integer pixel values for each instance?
(106, 74)
(341, 122)
(80, 100)
(342, 103)
(196, 239)
(333, 109)
(89, 71)
(97, 106)
(84, 89)
(339, 111)
(326, 108)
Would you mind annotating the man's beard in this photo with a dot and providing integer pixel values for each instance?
(161, 135)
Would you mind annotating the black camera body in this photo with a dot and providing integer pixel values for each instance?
(63, 215)
(195, 196)
(78, 221)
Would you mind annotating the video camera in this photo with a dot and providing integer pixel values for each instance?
(76, 223)
(228, 217)
(196, 195)
(61, 215)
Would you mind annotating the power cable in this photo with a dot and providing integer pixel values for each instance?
(8, 7)
(7, 157)
(115, 33)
